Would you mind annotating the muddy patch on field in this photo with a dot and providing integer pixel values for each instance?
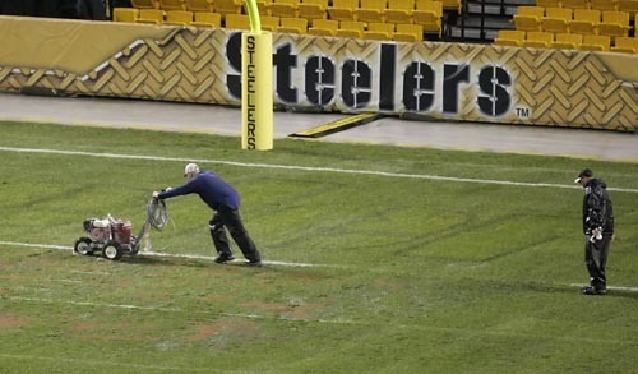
(213, 297)
(114, 330)
(10, 320)
(389, 285)
(223, 330)
(294, 310)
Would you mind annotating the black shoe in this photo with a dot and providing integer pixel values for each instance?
(591, 290)
(255, 263)
(222, 259)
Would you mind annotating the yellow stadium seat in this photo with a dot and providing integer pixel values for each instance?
(284, 8)
(145, 4)
(538, 39)
(529, 18)
(325, 27)
(407, 32)
(207, 20)
(172, 4)
(510, 38)
(626, 44)
(557, 19)
(604, 4)
(563, 40)
(237, 21)
(125, 14)
(379, 31)
(224, 7)
(629, 6)
(549, 3)
(428, 13)
(615, 23)
(452, 4)
(595, 43)
(400, 11)
(351, 29)
(321, 32)
(269, 23)
(343, 10)
(178, 17)
(294, 25)
(197, 6)
(313, 9)
(585, 21)
(153, 16)
(575, 4)
(370, 11)
(373, 35)
(264, 7)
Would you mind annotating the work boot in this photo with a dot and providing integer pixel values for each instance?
(223, 258)
(591, 290)
(255, 263)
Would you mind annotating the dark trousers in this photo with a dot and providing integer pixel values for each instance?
(595, 260)
(227, 218)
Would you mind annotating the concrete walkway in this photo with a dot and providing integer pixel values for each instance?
(226, 121)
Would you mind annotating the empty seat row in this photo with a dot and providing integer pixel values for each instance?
(426, 13)
(590, 42)
(169, 18)
(583, 21)
(371, 31)
(205, 6)
(630, 6)
(232, 6)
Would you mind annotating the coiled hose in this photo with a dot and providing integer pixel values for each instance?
(157, 214)
(156, 217)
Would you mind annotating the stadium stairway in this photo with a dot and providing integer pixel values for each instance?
(482, 19)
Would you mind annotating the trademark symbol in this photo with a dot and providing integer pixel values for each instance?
(523, 112)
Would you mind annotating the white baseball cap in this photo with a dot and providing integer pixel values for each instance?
(191, 168)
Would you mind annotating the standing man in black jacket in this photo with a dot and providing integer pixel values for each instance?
(598, 227)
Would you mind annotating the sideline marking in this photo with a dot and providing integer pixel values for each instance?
(306, 168)
(157, 254)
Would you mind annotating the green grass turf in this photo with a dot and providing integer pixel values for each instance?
(417, 275)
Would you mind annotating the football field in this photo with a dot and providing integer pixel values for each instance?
(377, 259)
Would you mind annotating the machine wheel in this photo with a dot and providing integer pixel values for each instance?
(112, 251)
(134, 247)
(83, 246)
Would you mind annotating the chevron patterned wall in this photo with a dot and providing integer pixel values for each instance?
(564, 88)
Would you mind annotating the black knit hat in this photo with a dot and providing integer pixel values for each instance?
(585, 173)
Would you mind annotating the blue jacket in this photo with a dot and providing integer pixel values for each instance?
(210, 188)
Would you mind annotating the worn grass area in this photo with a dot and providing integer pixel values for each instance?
(416, 275)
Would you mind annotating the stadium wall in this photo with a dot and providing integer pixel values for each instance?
(444, 81)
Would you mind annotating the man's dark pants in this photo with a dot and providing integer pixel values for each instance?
(595, 260)
(229, 218)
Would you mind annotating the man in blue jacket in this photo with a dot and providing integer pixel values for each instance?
(224, 200)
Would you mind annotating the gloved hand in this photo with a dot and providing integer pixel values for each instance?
(597, 234)
(155, 194)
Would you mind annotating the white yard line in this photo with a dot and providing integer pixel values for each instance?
(612, 288)
(304, 168)
(157, 254)
(333, 321)
(111, 363)
(174, 310)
